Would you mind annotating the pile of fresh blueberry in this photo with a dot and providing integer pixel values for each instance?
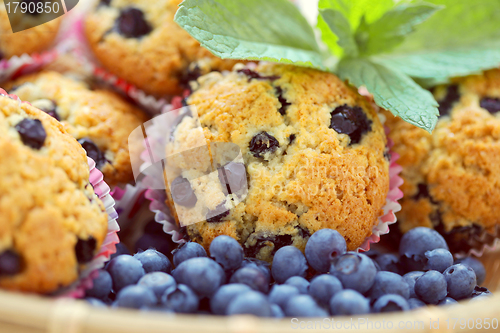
(325, 281)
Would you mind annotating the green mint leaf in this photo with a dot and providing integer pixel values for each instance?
(391, 29)
(461, 39)
(272, 30)
(353, 10)
(340, 26)
(392, 90)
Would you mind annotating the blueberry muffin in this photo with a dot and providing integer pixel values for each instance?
(51, 222)
(27, 41)
(452, 176)
(140, 42)
(99, 119)
(313, 154)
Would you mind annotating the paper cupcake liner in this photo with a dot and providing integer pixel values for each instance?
(163, 215)
(108, 247)
(484, 242)
(25, 64)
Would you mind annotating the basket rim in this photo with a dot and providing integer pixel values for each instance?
(33, 313)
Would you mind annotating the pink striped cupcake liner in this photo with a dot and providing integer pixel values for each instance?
(25, 64)
(157, 197)
(108, 247)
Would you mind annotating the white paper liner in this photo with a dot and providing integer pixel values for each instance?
(163, 216)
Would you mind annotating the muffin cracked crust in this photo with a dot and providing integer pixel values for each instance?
(313, 152)
(52, 223)
(99, 119)
(140, 42)
(451, 177)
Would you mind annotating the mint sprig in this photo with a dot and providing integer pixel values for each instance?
(391, 90)
(384, 46)
(462, 39)
(251, 30)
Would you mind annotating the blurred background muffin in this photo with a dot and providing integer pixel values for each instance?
(140, 42)
(452, 176)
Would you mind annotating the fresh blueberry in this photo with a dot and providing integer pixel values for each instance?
(158, 242)
(125, 270)
(227, 252)
(132, 24)
(263, 143)
(476, 265)
(233, 177)
(102, 285)
(276, 311)
(322, 247)
(349, 302)
(461, 281)
(438, 260)
(203, 275)
(96, 302)
(415, 243)
(225, 294)
(260, 264)
(181, 299)
(158, 282)
(351, 121)
(252, 277)
(491, 104)
(281, 293)
(182, 192)
(323, 287)
(388, 262)
(32, 132)
(411, 278)
(299, 282)
(447, 301)
(304, 306)
(84, 249)
(93, 152)
(391, 303)
(355, 271)
(431, 287)
(481, 292)
(415, 303)
(135, 297)
(154, 261)
(372, 253)
(10, 263)
(250, 302)
(187, 251)
(389, 283)
(288, 261)
(120, 249)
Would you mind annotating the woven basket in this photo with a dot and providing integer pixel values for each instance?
(34, 314)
